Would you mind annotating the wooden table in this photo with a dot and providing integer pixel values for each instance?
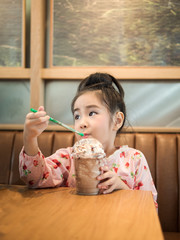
(59, 213)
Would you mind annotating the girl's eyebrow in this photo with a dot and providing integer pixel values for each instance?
(88, 106)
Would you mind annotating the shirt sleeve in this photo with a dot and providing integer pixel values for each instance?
(142, 175)
(40, 172)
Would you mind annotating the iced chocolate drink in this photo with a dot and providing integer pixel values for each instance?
(89, 155)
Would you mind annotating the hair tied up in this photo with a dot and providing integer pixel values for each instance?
(111, 91)
(100, 85)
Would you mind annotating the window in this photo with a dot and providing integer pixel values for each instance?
(11, 29)
(47, 47)
(148, 104)
(115, 33)
(14, 101)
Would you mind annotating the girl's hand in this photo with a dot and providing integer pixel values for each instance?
(110, 181)
(35, 123)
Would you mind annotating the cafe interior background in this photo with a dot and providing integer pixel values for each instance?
(48, 47)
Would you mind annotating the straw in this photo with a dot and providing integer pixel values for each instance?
(60, 123)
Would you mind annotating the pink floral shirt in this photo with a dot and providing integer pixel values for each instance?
(58, 169)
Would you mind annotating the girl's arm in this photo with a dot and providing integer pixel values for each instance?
(40, 172)
(135, 175)
(35, 124)
(142, 176)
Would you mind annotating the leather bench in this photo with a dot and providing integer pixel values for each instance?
(162, 151)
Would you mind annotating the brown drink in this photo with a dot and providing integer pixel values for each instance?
(89, 155)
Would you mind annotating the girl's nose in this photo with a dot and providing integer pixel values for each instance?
(83, 124)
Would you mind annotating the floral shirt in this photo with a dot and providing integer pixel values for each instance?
(58, 169)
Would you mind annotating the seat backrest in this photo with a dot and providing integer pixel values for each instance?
(162, 152)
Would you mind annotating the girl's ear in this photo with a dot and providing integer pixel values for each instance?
(118, 120)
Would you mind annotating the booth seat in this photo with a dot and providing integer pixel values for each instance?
(162, 151)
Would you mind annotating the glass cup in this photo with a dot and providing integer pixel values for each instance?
(87, 170)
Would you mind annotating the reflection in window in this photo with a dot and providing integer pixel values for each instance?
(116, 33)
(14, 101)
(11, 33)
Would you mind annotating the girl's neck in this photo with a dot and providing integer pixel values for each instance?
(110, 151)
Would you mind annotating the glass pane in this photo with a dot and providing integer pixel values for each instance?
(116, 33)
(58, 97)
(149, 104)
(14, 101)
(11, 33)
(152, 104)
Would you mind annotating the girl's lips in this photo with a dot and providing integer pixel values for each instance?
(86, 135)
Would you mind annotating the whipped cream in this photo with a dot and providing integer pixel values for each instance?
(88, 148)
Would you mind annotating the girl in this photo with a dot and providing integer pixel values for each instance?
(99, 111)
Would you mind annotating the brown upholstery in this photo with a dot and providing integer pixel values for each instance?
(6, 149)
(162, 152)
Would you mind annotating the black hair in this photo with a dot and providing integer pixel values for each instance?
(112, 92)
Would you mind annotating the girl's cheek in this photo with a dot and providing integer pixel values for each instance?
(76, 125)
(78, 137)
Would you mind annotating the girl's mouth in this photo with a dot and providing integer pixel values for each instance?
(86, 135)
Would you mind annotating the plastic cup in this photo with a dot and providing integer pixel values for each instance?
(87, 170)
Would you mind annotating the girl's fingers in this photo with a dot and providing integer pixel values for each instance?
(41, 108)
(34, 127)
(109, 182)
(104, 168)
(39, 113)
(109, 190)
(30, 115)
(36, 115)
(106, 183)
(108, 186)
(43, 119)
(105, 175)
(37, 122)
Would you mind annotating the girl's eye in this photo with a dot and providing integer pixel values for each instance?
(76, 117)
(92, 113)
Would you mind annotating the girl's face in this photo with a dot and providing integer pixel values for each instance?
(93, 119)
